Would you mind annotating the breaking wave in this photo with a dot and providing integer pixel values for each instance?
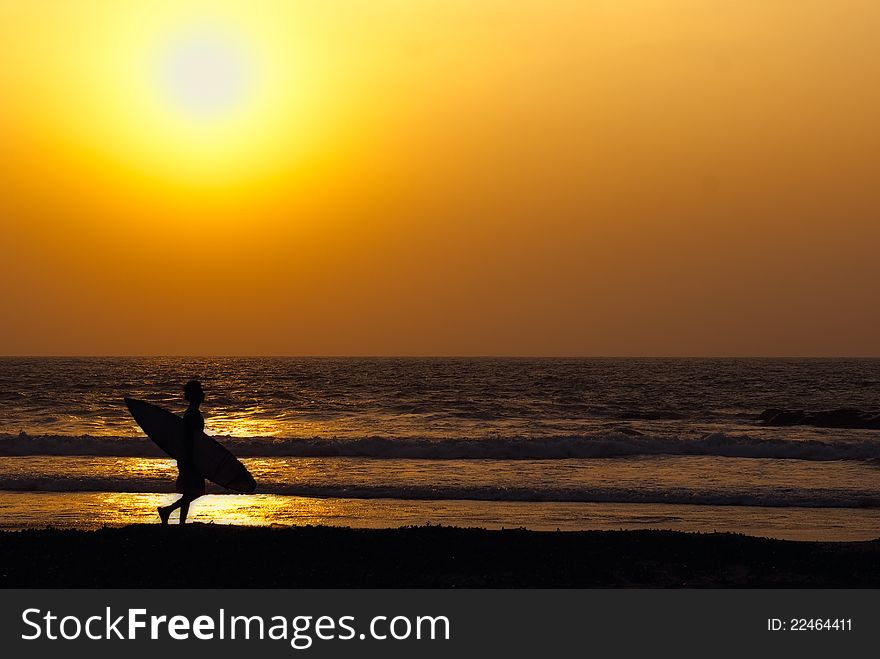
(597, 445)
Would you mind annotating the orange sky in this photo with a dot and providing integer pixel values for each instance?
(365, 177)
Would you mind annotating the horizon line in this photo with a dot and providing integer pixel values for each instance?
(420, 356)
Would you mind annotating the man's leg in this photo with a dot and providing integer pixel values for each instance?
(165, 511)
(184, 508)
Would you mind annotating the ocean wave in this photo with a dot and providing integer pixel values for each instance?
(596, 445)
(764, 497)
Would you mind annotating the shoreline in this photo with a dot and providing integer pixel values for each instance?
(218, 556)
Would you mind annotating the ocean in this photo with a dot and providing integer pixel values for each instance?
(549, 444)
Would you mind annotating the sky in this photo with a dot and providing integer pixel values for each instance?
(388, 177)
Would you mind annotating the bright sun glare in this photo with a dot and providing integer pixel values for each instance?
(201, 96)
(206, 74)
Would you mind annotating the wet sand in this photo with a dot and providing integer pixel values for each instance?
(95, 510)
(215, 556)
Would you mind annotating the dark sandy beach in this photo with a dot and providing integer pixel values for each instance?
(208, 556)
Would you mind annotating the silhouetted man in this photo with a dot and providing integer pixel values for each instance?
(190, 482)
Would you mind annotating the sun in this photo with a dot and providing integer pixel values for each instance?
(199, 103)
(206, 73)
(200, 97)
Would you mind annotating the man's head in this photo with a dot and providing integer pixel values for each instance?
(193, 393)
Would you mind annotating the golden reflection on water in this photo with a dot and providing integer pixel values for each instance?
(152, 467)
(259, 422)
(242, 425)
(251, 510)
(98, 509)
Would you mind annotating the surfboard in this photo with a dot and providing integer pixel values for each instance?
(211, 459)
